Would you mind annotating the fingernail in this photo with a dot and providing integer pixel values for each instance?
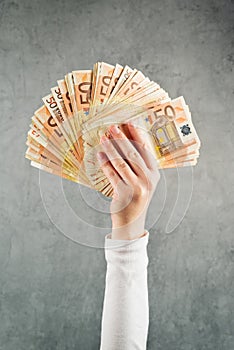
(100, 156)
(114, 129)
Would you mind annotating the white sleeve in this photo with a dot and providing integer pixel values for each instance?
(125, 317)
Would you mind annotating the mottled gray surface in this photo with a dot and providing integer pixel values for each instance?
(51, 289)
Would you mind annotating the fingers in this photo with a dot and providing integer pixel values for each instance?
(118, 163)
(130, 153)
(108, 169)
(143, 146)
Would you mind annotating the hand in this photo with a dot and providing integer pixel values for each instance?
(132, 171)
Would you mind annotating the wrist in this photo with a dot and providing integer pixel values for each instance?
(128, 230)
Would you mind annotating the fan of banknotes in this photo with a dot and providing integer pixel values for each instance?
(65, 132)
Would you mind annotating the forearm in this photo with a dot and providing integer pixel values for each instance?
(125, 310)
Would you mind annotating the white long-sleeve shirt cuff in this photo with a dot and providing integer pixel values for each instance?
(125, 316)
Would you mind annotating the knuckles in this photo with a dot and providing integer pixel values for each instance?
(141, 189)
(145, 186)
(132, 155)
(111, 173)
(121, 164)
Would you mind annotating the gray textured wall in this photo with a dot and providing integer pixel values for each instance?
(51, 289)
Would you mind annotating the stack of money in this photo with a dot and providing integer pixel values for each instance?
(65, 132)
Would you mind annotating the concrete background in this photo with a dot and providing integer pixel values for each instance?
(51, 289)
